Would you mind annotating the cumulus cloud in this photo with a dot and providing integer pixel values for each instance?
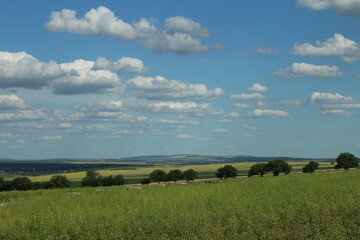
(342, 7)
(338, 112)
(248, 127)
(263, 50)
(267, 113)
(336, 46)
(256, 87)
(220, 130)
(184, 136)
(50, 138)
(21, 70)
(292, 103)
(81, 79)
(180, 35)
(245, 97)
(25, 71)
(25, 115)
(64, 125)
(103, 106)
(242, 105)
(10, 102)
(160, 88)
(323, 98)
(124, 64)
(176, 122)
(305, 70)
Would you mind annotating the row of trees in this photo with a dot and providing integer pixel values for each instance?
(160, 175)
(276, 166)
(94, 179)
(24, 183)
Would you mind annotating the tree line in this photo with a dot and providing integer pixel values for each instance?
(24, 183)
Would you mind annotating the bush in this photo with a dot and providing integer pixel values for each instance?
(145, 181)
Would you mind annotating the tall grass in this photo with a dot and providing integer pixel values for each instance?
(318, 206)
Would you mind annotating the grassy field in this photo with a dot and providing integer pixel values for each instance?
(298, 206)
(205, 171)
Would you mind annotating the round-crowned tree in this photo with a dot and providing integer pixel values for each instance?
(257, 169)
(346, 160)
(228, 171)
(278, 166)
(59, 181)
(190, 174)
(310, 167)
(158, 176)
(175, 175)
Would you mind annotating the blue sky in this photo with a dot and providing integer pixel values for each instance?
(109, 79)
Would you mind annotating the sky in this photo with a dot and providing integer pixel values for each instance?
(112, 79)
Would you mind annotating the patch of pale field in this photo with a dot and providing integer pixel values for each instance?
(145, 171)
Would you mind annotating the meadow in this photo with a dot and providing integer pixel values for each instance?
(296, 206)
(206, 171)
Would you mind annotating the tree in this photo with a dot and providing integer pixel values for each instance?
(2, 180)
(310, 167)
(278, 166)
(92, 179)
(107, 181)
(226, 172)
(190, 174)
(21, 183)
(158, 176)
(346, 160)
(145, 181)
(257, 169)
(175, 175)
(59, 181)
(119, 180)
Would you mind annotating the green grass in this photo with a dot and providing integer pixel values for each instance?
(299, 206)
(205, 171)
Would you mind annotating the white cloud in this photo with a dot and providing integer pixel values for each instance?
(181, 35)
(292, 103)
(341, 105)
(267, 113)
(337, 46)
(220, 130)
(339, 112)
(225, 120)
(8, 102)
(24, 115)
(184, 136)
(81, 79)
(264, 50)
(242, 105)
(64, 125)
(124, 64)
(248, 127)
(256, 87)
(50, 138)
(24, 71)
(173, 121)
(176, 107)
(323, 98)
(160, 88)
(244, 96)
(305, 70)
(231, 115)
(107, 106)
(342, 7)
(185, 25)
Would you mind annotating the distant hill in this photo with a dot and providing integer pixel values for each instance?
(171, 159)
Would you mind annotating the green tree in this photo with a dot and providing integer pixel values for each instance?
(175, 175)
(227, 171)
(158, 176)
(59, 181)
(107, 181)
(278, 166)
(21, 183)
(310, 167)
(119, 180)
(346, 160)
(145, 181)
(257, 169)
(2, 180)
(92, 179)
(190, 174)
